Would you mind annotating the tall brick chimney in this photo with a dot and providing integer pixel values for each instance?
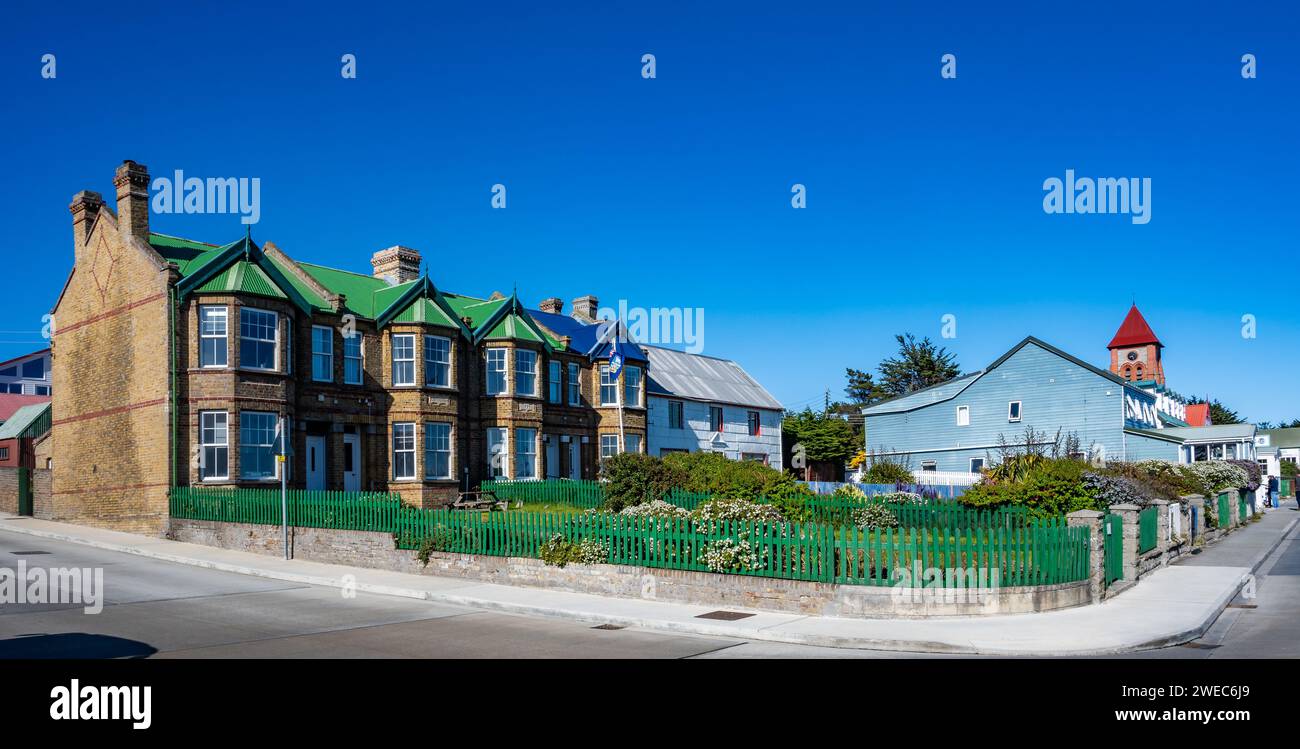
(584, 308)
(85, 209)
(132, 183)
(397, 264)
(553, 305)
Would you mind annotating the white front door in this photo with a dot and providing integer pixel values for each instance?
(315, 463)
(575, 459)
(351, 463)
(553, 457)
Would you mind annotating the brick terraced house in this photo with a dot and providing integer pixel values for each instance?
(178, 362)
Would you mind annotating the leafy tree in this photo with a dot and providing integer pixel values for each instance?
(916, 366)
(825, 437)
(1219, 413)
(861, 389)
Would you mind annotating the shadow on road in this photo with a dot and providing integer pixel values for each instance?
(73, 645)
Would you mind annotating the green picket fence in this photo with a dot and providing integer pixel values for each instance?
(358, 511)
(584, 494)
(1147, 522)
(1038, 553)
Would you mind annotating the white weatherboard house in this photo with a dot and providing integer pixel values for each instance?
(701, 403)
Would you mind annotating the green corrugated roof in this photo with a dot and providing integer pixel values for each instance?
(186, 253)
(23, 419)
(425, 310)
(243, 277)
(365, 296)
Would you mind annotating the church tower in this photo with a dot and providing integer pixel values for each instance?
(1135, 350)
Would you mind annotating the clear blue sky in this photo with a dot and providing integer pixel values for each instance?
(924, 195)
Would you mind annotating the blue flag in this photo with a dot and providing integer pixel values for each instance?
(615, 358)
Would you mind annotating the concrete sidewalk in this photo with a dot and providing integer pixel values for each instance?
(1171, 606)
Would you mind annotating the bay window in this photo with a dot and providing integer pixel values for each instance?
(257, 444)
(525, 372)
(403, 451)
(257, 338)
(496, 371)
(437, 451)
(214, 437)
(403, 359)
(525, 453)
(212, 336)
(437, 361)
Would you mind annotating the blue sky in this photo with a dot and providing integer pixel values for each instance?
(924, 194)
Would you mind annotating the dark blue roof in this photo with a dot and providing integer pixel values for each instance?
(583, 336)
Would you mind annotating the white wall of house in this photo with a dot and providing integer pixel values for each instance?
(27, 375)
(734, 441)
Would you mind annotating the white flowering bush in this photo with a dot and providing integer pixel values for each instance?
(655, 509)
(848, 491)
(1215, 475)
(558, 551)
(731, 555)
(900, 498)
(737, 509)
(873, 516)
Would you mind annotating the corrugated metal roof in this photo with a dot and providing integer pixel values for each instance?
(694, 377)
(22, 419)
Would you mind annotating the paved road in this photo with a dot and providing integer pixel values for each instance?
(165, 610)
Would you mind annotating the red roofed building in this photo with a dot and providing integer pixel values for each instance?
(1198, 415)
(1135, 350)
(9, 403)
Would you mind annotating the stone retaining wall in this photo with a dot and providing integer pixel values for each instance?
(375, 550)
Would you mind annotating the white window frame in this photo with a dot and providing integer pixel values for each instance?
(608, 382)
(224, 336)
(527, 376)
(324, 355)
(612, 441)
(496, 363)
(393, 345)
(973, 468)
(722, 419)
(245, 444)
(403, 442)
(963, 416)
(929, 465)
(526, 447)
(1019, 411)
(504, 443)
(554, 381)
(632, 439)
(575, 384)
(431, 432)
(433, 365)
(753, 423)
(360, 358)
(216, 447)
(632, 390)
(274, 340)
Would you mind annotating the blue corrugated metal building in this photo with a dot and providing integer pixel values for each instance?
(961, 424)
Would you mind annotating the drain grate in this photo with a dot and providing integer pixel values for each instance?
(726, 616)
(609, 626)
(27, 553)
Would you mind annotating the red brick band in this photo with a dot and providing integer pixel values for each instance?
(110, 411)
(105, 315)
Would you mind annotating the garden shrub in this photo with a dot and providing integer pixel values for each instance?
(633, 478)
(655, 508)
(1110, 490)
(1048, 488)
(1214, 476)
(557, 551)
(886, 471)
(737, 509)
(874, 516)
(901, 498)
(718, 476)
(1289, 469)
(731, 555)
(1253, 475)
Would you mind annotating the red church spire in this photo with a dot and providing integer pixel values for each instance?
(1134, 331)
